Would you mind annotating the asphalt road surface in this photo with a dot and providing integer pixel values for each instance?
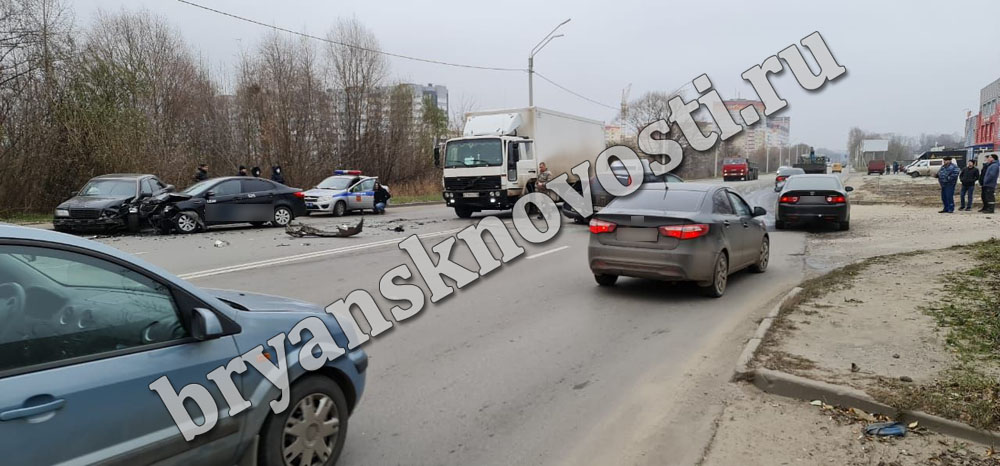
(532, 363)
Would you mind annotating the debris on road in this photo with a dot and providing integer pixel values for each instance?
(397, 228)
(886, 429)
(221, 244)
(299, 230)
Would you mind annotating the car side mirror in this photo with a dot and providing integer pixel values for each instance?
(759, 211)
(209, 194)
(848, 189)
(205, 325)
(168, 188)
(437, 157)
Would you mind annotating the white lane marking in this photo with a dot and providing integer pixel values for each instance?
(550, 251)
(140, 253)
(304, 256)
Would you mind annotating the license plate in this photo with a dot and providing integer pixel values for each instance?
(637, 234)
(470, 194)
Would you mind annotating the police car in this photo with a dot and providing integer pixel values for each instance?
(343, 192)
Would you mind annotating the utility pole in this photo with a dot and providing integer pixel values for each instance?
(531, 61)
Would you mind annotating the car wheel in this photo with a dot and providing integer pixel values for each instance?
(605, 279)
(765, 256)
(463, 212)
(339, 208)
(311, 431)
(720, 277)
(282, 216)
(257, 224)
(844, 226)
(779, 225)
(186, 222)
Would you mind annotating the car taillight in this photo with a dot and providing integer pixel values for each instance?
(684, 231)
(300, 194)
(789, 199)
(601, 226)
(629, 182)
(835, 199)
(782, 178)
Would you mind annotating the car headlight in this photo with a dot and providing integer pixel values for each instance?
(325, 199)
(62, 213)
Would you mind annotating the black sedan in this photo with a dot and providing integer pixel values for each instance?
(221, 201)
(108, 203)
(601, 197)
(813, 199)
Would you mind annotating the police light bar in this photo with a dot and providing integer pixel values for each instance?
(347, 172)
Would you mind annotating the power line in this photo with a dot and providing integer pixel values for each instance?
(588, 99)
(323, 39)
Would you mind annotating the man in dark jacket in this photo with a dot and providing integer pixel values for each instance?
(276, 174)
(947, 177)
(991, 171)
(968, 177)
(255, 172)
(242, 171)
(202, 173)
(381, 198)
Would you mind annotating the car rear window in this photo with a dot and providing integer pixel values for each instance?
(813, 183)
(658, 199)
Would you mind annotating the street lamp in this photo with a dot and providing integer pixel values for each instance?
(531, 60)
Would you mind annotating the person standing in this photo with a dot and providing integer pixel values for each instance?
(276, 174)
(202, 173)
(242, 171)
(968, 177)
(544, 175)
(947, 177)
(381, 198)
(988, 181)
(255, 172)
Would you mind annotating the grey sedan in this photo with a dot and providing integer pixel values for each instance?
(678, 232)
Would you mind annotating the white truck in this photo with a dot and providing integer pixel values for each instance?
(496, 160)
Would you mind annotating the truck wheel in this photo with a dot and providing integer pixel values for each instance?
(339, 208)
(313, 428)
(844, 226)
(463, 212)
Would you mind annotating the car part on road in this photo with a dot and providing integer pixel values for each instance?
(299, 230)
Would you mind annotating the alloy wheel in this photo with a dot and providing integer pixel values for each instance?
(282, 216)
(765, 254)
(186, 223)
(721, 274)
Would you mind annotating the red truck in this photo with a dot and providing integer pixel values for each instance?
(876, 166)
(739, 169)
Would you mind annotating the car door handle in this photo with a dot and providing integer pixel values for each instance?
(725, 223)
(32, 410)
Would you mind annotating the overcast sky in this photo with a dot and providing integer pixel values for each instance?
(913, 67)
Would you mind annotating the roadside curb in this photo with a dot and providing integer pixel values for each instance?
(801, 388)
(417, 204)
(743, 369)
(793, 386)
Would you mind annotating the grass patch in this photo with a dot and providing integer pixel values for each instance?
(25, 217)
(410, 199)
(969, 308)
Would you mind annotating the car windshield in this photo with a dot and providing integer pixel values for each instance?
(109, 188)
(733, 161)
(656, 198)
(474, 153)
(336, 182)
(817, 183)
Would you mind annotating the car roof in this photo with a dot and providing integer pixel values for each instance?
(679, 186)
(121, 176)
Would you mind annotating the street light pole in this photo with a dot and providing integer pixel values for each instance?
(531, 60)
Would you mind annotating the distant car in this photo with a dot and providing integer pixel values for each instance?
(678, 232)
(783, 174)
(601, 197)
(876, 167)
(87, 329)
(106, 203)
(811, 199)
(925, 167)
(345, 191)
(229, 200)
(837, 168)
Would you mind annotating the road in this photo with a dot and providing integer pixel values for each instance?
(531, 364)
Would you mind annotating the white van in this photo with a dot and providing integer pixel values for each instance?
(926, 167)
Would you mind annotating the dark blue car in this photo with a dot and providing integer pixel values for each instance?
(87, 332)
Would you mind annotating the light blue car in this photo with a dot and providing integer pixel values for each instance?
(85, 329)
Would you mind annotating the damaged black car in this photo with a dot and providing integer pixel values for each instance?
(109, 203)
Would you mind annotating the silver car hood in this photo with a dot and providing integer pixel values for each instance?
(245, 301)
